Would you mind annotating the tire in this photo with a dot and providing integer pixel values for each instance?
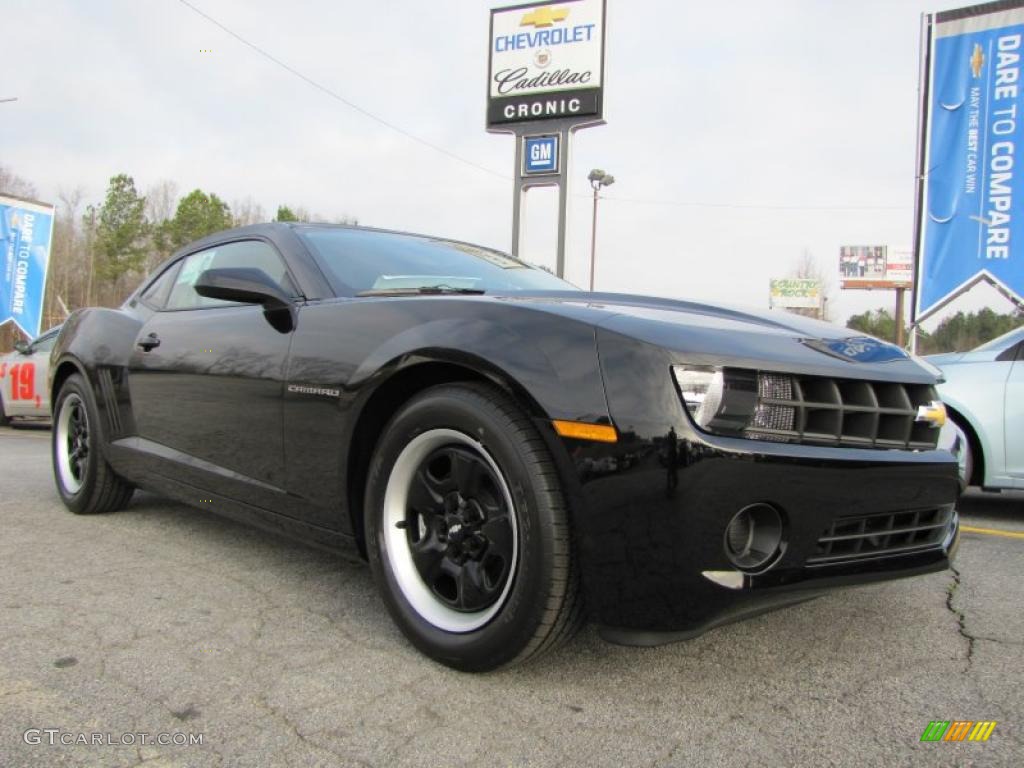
(85, 481)
(966, 456)
(467, 531)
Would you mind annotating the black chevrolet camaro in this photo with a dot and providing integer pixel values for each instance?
(510, 454)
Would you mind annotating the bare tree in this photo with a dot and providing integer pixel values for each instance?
(248, 211)
(161, 202)
(13, 184)
(66, 284)
(808, 267)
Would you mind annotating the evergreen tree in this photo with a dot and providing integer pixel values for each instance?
(198, 215)
(121, 229)
(284, 213)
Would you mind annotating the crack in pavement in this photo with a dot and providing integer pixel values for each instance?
(951, 592)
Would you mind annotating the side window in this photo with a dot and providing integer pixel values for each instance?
(43, 344)
(158, 290)
(247, 253)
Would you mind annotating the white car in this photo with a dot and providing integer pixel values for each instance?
(984, 397)
(23, 375)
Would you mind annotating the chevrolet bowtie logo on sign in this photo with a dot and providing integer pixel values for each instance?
(958, 730)
(977, 61)
(544, 17)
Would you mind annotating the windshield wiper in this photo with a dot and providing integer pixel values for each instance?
(426, 290)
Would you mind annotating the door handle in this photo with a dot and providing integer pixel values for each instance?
(149, 342)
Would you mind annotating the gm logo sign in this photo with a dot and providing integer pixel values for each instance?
(540, 155)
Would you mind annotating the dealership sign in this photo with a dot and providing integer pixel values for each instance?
(795, 293)
(26, 231)
(546, 62)
(971, 204)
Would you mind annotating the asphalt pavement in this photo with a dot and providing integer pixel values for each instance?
(164, 619)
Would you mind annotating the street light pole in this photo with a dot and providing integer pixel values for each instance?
(598, 179)
(593, 240)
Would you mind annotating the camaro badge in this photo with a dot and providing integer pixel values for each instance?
(934, 413)
(298, 389)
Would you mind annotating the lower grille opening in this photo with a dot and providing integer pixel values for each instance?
(860, 538)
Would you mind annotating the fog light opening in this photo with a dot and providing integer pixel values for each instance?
(753, 538)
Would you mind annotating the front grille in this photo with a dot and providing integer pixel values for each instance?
(842, 412)
(859, 538)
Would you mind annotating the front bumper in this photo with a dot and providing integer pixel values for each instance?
(651, 534)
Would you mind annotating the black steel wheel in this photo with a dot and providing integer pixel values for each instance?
(85, 481)
(467, 530)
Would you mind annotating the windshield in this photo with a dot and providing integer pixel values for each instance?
(358, 261)
(1005, 341)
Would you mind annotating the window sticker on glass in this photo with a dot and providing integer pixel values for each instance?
(493, 257)
(195, 265)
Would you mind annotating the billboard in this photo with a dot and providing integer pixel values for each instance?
(546, 62)
(875, 266)
(972, 161)
(794, 293)
(26, 231)
(899, 267)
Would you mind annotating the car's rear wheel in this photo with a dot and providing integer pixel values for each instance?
(85, 481)
(468, 532)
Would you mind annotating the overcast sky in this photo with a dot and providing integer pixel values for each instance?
(740, 134)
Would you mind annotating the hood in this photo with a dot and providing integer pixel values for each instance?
(709, 334)
(963, 358)
(945, 358)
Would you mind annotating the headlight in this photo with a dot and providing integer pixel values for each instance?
(718, 399)
(701, 389)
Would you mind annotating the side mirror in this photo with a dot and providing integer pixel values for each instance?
(21, 346)
(248, 285)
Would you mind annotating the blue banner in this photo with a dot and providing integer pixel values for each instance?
(973, 212)
(26, 231)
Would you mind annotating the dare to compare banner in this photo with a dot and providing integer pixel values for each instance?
(26, 231)
(972, 209)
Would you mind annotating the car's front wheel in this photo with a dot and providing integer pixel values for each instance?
(468, 532)
(86, 483)
(965, 455)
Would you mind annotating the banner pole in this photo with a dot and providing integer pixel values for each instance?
(924, 69)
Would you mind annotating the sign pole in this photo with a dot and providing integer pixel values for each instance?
(924, 67)
(563, 203)
(517, 198)
(899, 317)
(545, 81)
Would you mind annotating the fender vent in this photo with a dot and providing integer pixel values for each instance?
(108, 392)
